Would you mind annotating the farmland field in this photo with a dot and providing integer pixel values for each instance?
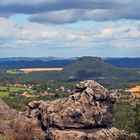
(15, 72)
(16, 89)
(40, 69)
(4, 92)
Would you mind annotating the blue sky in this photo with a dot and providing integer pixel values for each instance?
(67, 28)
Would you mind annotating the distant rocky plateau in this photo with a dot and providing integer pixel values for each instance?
(86, 114)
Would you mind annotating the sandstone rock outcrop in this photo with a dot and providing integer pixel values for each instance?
(93, 134)
(85, 115)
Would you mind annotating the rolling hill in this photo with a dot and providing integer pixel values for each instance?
(93, 68)
(97, 69)
(53, 62)
(124, 62)
(83, 68)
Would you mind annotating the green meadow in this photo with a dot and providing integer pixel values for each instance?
(4, 90)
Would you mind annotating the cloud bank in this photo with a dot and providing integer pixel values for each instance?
(115, 35)
(70, 11)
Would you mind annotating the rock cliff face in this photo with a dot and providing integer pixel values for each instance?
(85, 115)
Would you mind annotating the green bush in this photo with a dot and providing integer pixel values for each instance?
(127, 117)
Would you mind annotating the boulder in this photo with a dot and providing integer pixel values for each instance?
(89, 107)
(85, 115)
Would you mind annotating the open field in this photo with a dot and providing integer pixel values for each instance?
(16, 72)
(134, 89)
(15, 89)
(40, 69)
(4, 92)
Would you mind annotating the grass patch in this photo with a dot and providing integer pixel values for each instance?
(16, 89)
(15, 72)
(2, 88)
(4, 94)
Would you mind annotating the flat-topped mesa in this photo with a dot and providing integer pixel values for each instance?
(89, 59)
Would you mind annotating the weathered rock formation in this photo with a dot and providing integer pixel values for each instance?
(85, 115)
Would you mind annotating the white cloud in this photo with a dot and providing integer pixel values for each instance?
(114, 35)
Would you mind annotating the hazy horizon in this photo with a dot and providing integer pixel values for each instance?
(72, 57)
